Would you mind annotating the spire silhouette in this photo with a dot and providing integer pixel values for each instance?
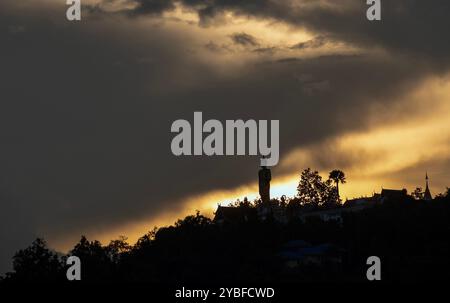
(427, 195)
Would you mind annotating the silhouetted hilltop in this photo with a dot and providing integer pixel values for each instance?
(310, 237)
(410, 236)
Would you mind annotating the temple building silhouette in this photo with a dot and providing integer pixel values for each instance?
(275, 209)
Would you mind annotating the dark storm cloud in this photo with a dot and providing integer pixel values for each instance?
(82, 130)
(87, 107)
(407, 25)
(410, 26)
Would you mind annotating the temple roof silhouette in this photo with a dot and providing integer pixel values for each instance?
(427, 195)
(234, 215)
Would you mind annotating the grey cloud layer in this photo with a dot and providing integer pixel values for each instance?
(407, 25)
(86, 108)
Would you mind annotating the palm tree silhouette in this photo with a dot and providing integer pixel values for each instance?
(337, 176)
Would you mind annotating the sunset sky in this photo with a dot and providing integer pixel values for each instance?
(86, 107)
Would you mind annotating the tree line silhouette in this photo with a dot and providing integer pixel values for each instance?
(409, 235)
